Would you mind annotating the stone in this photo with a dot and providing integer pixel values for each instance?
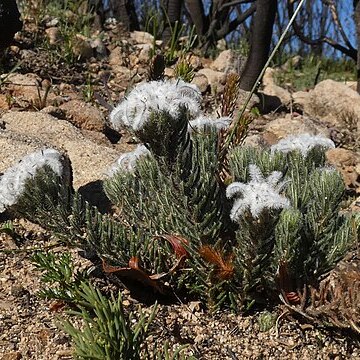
(201, 81)
(215, 78)
(292, 63)
(53, 34)
(229, 61)
(4, 102)
(142, 37)
(115, 57)
(300, 99)
(145, 51)
(25, 90)
(331, 100)
(52, 22)
(241, 99)
(284, 126)
(84, 115)
(196, 62)
(26, 132)
(13, 355)
(347, 162)
(99, 48)
(270, 88)
(82, 48)
(169, 72)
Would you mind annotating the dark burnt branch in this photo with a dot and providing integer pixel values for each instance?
(235, 23)
(335, 16)
(236, 2)
(347, 50)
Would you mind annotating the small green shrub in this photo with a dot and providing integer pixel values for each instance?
(270, 226)
(108, 332)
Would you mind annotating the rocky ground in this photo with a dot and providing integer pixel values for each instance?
(48, 102)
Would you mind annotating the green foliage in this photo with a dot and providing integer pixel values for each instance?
(58, 272)
(177, 46)
(313, 69)
(266, 321)
(178, 191)
(108, 332)
(184, 70)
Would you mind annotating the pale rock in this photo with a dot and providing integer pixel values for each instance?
(221, 44)
(53, 34)
(99, 47)
(270, 88)
(52, 23)
(83, 115)
(253, 141)
(216, 79)
(196, 62)
(351, 84)
(26, 132)
(116, 57)
(82, 48)
(201, 81)
(169, 72)
(348, 163)
(145, 51)
(282, 127)
(241, 99)
(12, 355)
(331, 100)
(4, 102)
(25, 90)
(133, 60)
(300, 98)
(224, 61)
(28, 79)
(229, 61)
(120, 71)
(142, 37)
(15, 49)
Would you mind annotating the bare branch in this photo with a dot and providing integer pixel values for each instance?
(236, 2)
(235, 23)
(347, 50)
(337, 22)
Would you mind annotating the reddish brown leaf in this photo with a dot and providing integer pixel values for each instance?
(293, 298)
(134, 272)
(224, 268)
(177, 242)
(57, 306)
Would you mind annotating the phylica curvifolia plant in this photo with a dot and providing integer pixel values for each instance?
(272, 227)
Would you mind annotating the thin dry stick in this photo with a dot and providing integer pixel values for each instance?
(237, 123)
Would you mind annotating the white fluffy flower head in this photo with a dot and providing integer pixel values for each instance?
(304, 143)
(135, 109)
(127, 161)
(12, 182)
(259, 194)
(202, 122)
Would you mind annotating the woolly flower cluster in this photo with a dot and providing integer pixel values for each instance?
(202, 122)
(304, 143)
(135, 109)
(127, 161)
(259, 194)
(12, 182)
